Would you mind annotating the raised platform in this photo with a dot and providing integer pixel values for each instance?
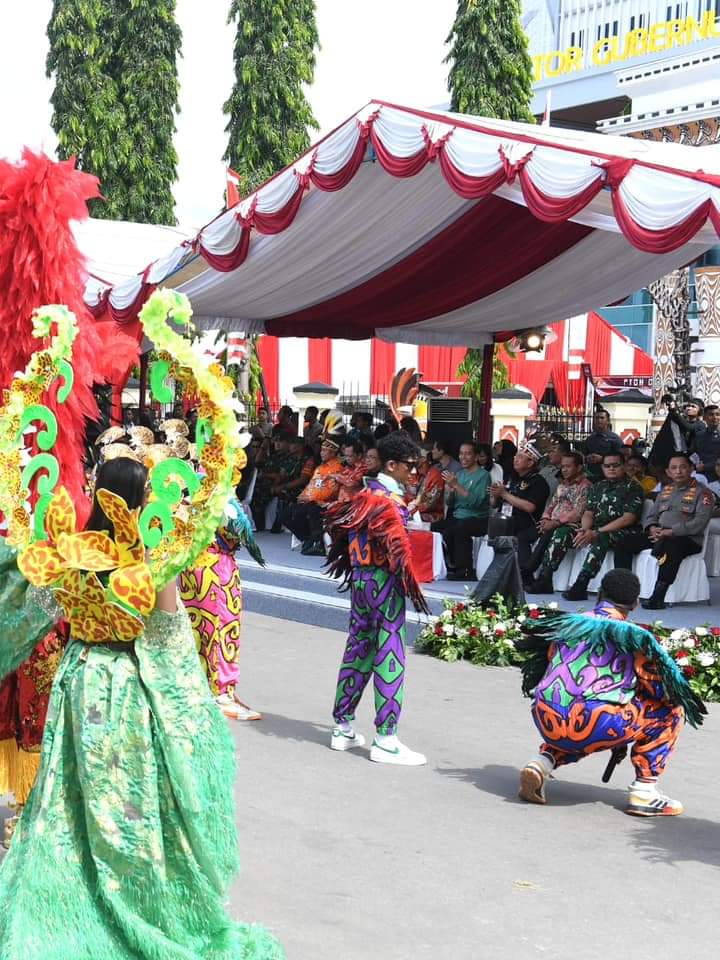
(294, 587)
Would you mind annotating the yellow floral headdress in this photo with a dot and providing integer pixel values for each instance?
(52, 552)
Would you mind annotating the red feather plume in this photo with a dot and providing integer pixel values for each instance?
(40, 264)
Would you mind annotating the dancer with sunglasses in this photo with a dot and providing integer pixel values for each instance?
(371, 550)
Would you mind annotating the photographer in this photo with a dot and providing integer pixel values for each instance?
(707, 442)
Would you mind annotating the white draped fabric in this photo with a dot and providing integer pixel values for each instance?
(428, 227)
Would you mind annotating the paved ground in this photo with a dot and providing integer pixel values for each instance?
(348, 859)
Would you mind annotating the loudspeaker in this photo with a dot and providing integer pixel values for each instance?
(451, 434)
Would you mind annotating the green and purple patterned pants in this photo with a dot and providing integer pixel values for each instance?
(375, 646)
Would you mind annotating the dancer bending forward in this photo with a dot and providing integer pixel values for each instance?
(601, 683)
(371, 548)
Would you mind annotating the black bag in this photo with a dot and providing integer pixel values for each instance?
(503, 575)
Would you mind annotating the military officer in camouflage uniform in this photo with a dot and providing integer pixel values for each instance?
(614, 506)
(673, 530)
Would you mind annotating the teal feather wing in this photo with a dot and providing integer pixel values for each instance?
(240, 528)
(630, 638)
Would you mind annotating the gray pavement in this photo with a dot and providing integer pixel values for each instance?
(349, 860)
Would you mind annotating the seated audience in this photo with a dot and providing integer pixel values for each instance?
(674, 528)
(263, 427)
(551, 472)
(504, 452)
(601, 441)
(312, 429)
(295, 477)
(468, 512)
(559, 522)
(304, 518)
(361, 428)
(636, 469)
(523, 500)
(613, 512)
(273, 462)
(412, 429)
(286, 421)
(350, 478)
(440, 453)
(485, 460)
(429, 501)
(707, 442)
(373, 466)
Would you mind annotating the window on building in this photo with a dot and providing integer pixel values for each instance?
(615, 28)
(638, 23)
(578, 39)
(634, 319)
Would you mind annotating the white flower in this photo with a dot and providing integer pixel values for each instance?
(532, 606)
(509, 641)
(690, 642)
(522, 618)
(701, 631)
(678, 634)
(448, 629)
(461, 633)
(706, 659)
(552, 606)
(484, 628)
(682, 661)
(500, 625)
(446, 615)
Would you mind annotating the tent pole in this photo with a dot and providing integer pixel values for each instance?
(484, 433)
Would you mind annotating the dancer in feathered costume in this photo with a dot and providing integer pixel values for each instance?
(599, 682)
(371, 549)
(40, 263)
(127, 845)
(212, 593)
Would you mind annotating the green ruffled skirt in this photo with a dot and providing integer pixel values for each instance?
(128, 843)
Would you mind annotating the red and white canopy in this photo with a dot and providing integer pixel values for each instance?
(423, 227)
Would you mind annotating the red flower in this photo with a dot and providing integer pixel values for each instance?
(473, 632)
(679, 654)
(458, 608)
(715, 631)
(500, 631)
(534, 614)
(689, 671)
(438, 630)
(491, 614)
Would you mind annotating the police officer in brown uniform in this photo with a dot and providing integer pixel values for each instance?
(674, 528)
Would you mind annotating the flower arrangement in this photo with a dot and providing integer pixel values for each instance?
(482, 634)
(697, 652)
(487, 636)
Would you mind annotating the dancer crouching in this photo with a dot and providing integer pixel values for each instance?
(601, 683)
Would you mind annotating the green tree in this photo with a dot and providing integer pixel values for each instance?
(490, 76)
(269, 115)
(471, 367)
(491, 72)
(145, 69)
(115, 98)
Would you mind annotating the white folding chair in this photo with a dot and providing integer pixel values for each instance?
(484, 556)
(691, 584)
(712, 554)
(247, 499)
(578, 561)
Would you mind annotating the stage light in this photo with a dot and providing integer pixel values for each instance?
(532, 340)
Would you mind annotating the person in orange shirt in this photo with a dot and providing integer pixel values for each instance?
(305, 518)
(350, 478)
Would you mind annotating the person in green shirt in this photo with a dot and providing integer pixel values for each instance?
(467, 512)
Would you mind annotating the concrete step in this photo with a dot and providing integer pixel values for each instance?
(293, 587)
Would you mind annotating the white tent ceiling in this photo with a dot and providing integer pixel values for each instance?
(435, 228)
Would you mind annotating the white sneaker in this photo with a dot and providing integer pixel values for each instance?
(392, 751)
(645, 800)
(346, 739)
(235, 710)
